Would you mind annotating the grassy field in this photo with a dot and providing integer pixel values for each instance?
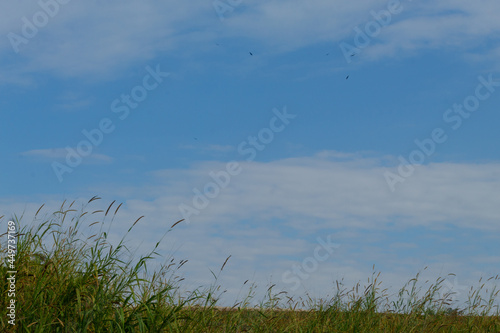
(65, 283)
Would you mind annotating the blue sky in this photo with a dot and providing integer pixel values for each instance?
(331, 169)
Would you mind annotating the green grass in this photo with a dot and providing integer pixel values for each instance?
(67, 282)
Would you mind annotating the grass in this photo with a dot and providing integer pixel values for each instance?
(67, 282)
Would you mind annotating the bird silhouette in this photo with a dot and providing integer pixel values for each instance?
(251, 53)
(347, 77)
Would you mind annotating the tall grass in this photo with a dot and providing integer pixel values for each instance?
(68, 281)
(65, 283)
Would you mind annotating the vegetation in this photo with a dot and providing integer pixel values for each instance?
(69, 283)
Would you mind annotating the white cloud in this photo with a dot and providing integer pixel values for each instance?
(72, 101)
(256, 217)
(341, 193)
(269, 217)
(220, 148)
(90, 38)
(100, 38)
(61, 153)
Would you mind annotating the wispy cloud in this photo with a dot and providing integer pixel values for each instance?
(72, 101)
(213, 150)
(269, 216)
(87, 38)
(61, 154)
(337, 193)
(220, 148)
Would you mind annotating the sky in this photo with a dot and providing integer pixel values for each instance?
(311, 141)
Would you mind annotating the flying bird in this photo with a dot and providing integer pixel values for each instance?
(352, 55)
(251, 53)
(347, 77)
